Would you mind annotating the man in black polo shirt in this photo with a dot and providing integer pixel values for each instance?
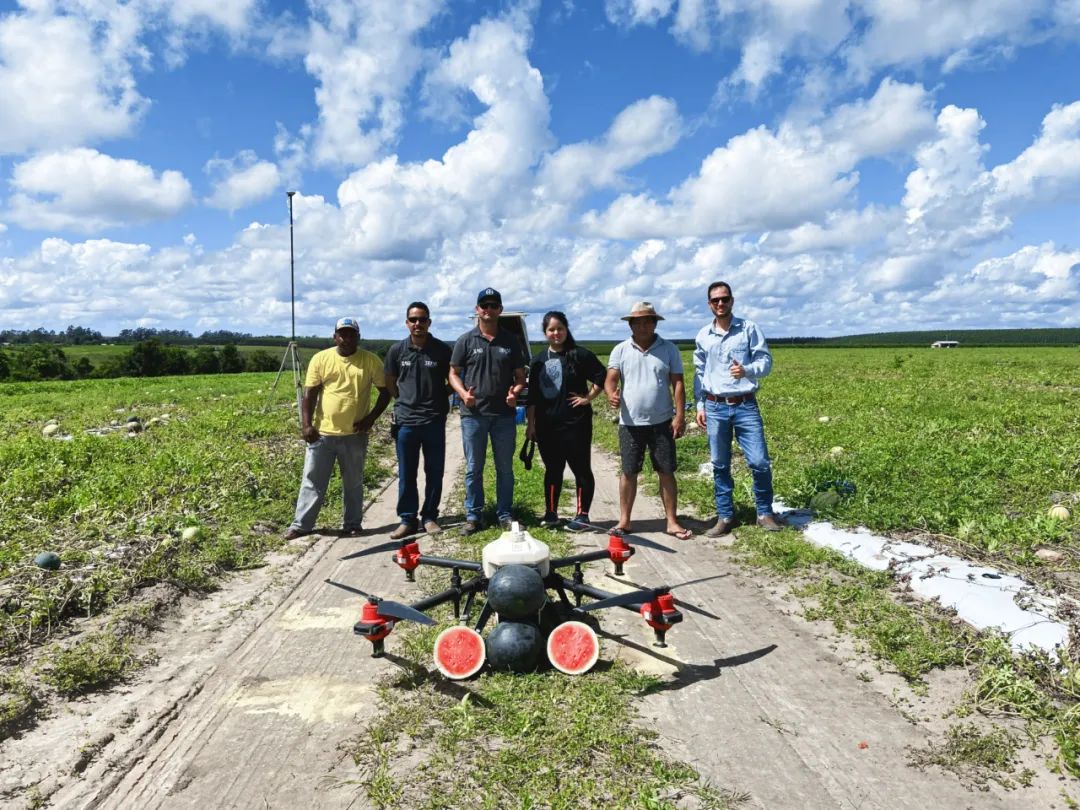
(487, 370)
(416, 370)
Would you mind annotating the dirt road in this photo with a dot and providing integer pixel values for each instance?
(257, 689)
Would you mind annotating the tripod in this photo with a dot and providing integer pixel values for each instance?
(292, 356)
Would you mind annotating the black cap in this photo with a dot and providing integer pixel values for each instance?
(489, 294)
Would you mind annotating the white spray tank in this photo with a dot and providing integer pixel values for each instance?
(516, 547)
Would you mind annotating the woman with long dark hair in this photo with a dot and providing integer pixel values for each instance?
(563, 379)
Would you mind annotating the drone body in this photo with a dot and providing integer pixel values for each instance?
(530, 599)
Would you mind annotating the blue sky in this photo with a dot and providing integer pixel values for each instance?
(847, 167)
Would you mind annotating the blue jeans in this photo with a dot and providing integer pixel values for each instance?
(474, 437)
(744, 419)
(411, 439)
(349, 452)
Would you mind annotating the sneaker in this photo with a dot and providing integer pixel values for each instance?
(470, 527)
(550, 520)
(723, 526)
(404, 530)
(506, 523)
(431, 527)
(579, 524)
(769, 523)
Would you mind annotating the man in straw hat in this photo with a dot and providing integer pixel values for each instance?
(651, 403)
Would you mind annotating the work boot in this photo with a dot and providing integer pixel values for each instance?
(431, 527)
(506, 523)
(292, 534)
(723, 526)
(770, 523)
(470, 527)
(406, 529)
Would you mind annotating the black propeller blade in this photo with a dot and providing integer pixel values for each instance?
(387, 607)
(391, 545)
(682, 603)
(643, 595)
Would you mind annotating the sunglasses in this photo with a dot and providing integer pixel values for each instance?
(418, 320)
(720, 299)
(489, 305)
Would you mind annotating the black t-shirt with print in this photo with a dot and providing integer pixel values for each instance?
(487, 366)
(552, 382)
(423, 393)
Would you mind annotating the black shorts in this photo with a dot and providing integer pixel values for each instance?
(633, 439)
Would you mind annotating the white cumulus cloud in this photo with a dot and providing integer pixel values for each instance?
(241, 181)
(65, 80)
(84, 190)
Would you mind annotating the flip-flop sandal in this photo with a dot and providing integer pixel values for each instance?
(681, 534)
(618, 532)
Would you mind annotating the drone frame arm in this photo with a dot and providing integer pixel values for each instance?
(471, 586)
(446, 562)
(588, 556)
(597, 593)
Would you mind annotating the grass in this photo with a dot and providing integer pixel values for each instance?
(94, 661)
(115, 507)
(976, 756)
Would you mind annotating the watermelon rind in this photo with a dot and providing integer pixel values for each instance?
(453, 652)
(573, 648)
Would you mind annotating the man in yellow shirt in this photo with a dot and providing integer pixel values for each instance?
(336, 416)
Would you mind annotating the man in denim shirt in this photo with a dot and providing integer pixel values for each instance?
(730, 357)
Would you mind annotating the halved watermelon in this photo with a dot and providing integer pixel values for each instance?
(459, 652)
(573, 648)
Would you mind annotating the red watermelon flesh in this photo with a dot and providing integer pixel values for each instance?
(573, 648)
(459, 652)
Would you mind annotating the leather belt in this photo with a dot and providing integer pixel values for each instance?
(730, 399)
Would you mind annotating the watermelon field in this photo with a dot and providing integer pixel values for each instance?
(972, 448)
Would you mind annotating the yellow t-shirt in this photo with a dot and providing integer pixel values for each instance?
(346, 388)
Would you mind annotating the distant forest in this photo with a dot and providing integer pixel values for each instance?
(41, 354)
(81, 336)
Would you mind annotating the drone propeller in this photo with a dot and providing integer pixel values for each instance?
(643, 595)
(634, 539)
(388, 608)
(391, 545)
(648, 594)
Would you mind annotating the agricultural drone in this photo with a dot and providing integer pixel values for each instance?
(515, 576)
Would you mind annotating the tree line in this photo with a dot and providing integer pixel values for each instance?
(147, 358)
(81, 336)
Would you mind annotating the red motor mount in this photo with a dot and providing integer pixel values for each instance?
(619, 552)
(408, 558)
(373, 626)
(660, 614)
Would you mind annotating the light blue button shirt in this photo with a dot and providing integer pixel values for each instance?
(714, 350)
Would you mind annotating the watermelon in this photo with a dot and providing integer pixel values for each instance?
(49, 560)
(573, 648)
(515, 646)
(459, 652)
